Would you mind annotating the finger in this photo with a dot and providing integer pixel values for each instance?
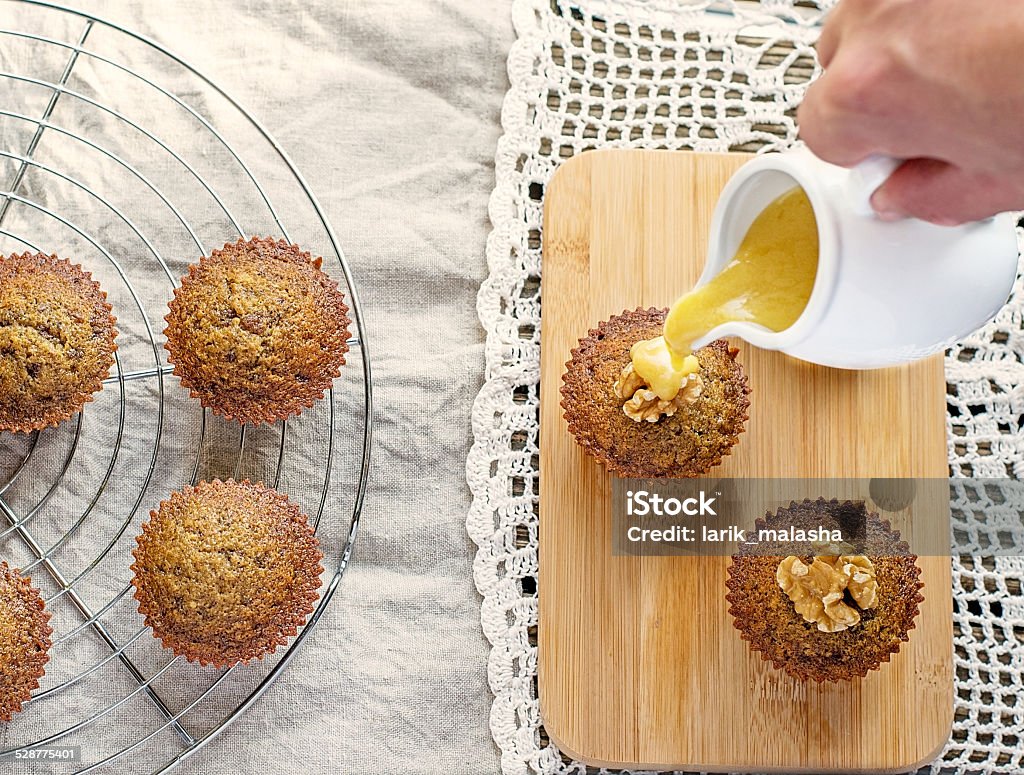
(831, 33)
(938, 192)
(829, 129)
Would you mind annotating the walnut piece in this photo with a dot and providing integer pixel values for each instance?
(628, 382)
(818, 591)
(831, 548)
(643, 405)
(862, 584)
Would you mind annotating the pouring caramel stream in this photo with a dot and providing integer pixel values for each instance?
(768, 282)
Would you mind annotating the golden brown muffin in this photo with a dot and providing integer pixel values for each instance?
(225, 572)
(257, 332)
(56, 340)
(686, 444)
(24, 640)
(768, 620)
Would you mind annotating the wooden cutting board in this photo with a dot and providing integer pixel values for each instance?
(638, 661)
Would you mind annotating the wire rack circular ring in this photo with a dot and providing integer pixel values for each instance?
(117, 153)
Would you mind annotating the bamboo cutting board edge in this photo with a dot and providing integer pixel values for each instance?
(587, 203)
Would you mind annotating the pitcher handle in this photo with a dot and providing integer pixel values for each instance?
(866, 178)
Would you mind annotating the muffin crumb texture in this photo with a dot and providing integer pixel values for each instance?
(225, 572)
(692, 438)
(56, 341)
(24, 640)
(889, 598)
(257, 332)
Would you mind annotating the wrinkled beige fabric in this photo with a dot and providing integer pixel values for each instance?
(391, 111)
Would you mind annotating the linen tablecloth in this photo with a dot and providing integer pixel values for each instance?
(391, 111)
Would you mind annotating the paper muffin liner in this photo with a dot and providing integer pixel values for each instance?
(85, 385)
(218, 528)
(22, 662)
(687, 444)
(242, 394)
(767, 620)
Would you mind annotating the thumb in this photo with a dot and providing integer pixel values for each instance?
(943, 194)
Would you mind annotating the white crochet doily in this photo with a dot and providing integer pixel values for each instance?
(710, 77)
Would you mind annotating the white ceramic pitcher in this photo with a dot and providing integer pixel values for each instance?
(885, 292)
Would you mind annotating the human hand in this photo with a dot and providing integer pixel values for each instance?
(936, 82)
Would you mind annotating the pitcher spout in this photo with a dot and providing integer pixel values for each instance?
(752, 333)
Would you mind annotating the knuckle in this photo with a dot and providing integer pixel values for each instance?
(817, 138)
(856, 90)
(828, 132)
(813, 128)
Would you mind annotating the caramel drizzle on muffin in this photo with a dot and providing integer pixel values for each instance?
(641, 404)
(687, 442)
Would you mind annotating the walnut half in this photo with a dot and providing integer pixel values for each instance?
(643, 405)
(818, 591)
(628, 382)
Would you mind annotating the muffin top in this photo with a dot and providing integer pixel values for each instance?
(56, 340)
(685, 444)
(768, 620)
(257, 331)
(24, 640)
(224, 572)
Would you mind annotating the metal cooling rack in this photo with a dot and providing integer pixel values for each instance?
(86, 172)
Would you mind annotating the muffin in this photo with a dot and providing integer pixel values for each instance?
(24, 640)
(257, 332)
(225, 572)
(825, 612)
(56, 341)
(683, 438)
